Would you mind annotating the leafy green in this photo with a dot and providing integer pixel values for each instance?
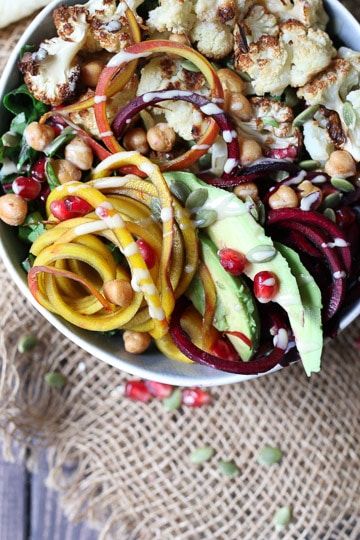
(51, 177)
(31, 228)
(20, 100)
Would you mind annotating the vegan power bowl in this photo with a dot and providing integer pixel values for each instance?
(181, 191)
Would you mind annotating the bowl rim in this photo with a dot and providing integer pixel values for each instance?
(148, 366)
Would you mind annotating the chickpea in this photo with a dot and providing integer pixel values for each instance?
(39, 136)
(135, 139)
(119, 292)
(341, 164)
(180, 38)
(284, 197)
(247, 189)
(90, 73)
(13, 209)
(79, 153)
(250, 151)
(66, 171)
(230, 80)
(237, 105)
(136, 342)
(307, 189)
(161, 137)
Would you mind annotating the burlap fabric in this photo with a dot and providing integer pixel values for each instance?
(125, 466)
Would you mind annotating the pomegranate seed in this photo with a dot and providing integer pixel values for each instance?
(266, 286)
(223, 350)
(44, 193)
(233, 261)
(70, 207)
(159, 390)
(57, 123)
(194, 397)
(37, 171)
(290, 152)
(345, 216)
(147, 252)
(138, 391)
(26, 187)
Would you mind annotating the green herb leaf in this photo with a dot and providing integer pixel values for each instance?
(32, 228)
(65, 136)
(51, 177)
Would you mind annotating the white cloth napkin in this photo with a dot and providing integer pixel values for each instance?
(14, 10)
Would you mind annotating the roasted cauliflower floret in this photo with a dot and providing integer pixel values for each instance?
(270, 124)
(273, 61)
(209, 25)
(311, 51)
(212, 39)
(257, 23)
(176, 16)
(86, 118)
(168, 74)
(223, 11)
(108, 25)
(337, 93)
(51, 73)
(309, 13)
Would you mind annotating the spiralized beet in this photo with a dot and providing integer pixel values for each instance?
(262, 362)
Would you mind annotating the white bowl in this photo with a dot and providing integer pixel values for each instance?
(152, 365)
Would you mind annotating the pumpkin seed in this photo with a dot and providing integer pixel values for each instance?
(349, 114)
(10, 139)
(282, 517)
(291, 99)
(201, 454)
(189, 66)
(27, 343)
(228, 468)
(330, 214)
(309, 164)
(305, 115)
(269, 121)
(205, 218)
(172, 402)
(332, 200)
(261, 254)
(342, 184)
(56, 379)
(180, 191)
(197, 198)
(269, 455)
(155, 206)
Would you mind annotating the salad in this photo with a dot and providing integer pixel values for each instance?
(185, 173)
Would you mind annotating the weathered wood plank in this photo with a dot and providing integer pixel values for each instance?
(13, 500)
(47, 519)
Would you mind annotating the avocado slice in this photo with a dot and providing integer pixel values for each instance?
(236, 228)
(310, 335)
(235, 309)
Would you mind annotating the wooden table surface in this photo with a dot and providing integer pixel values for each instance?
(29, 510)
